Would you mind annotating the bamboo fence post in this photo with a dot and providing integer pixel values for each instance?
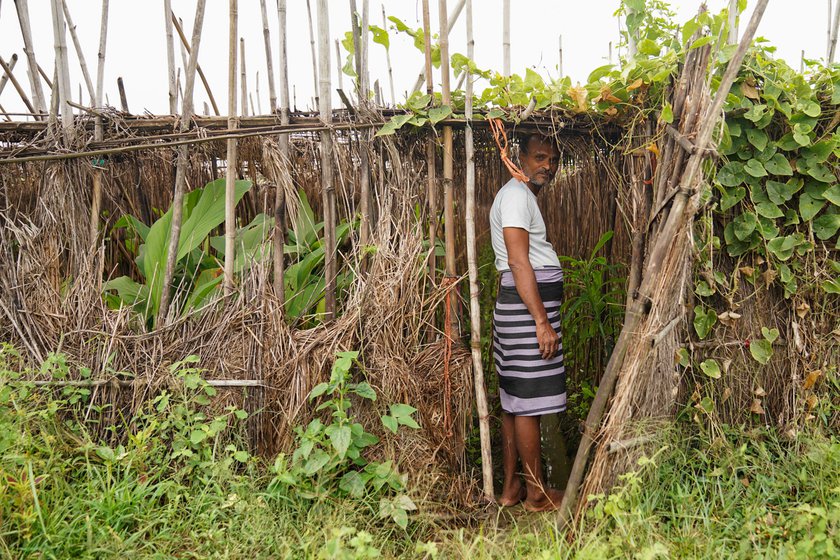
(506, 38)
(388, 60)
(45, 77)
(658, 250)
(360, 45)
(327, 187)
(4, 79)
(181, 167)
(201, 75)
(448, 194)
(312, 49)
(828, 32)
(123, 98)
(279, 233)
(22, 7)
(560, 59)
(732, 38)
(170, 57)
(835, 27)
(258, 110)
(230, 175)
(79, 53)
(272, 96)
(243, 85)
(452, 19)
(8, 73)
(475, 311)
(338, 65)
(96, 202)
(431, 187)
(64, 94)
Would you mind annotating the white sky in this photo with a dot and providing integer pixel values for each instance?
(136, 48)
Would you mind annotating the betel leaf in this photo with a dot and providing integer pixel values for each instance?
(757, 138)
(731, 174)
(711, 368)
(809, 206)
(821, 172)
(767, 228)
(744, 225)
(826, 226)
(755, 113)
(667, 114)
(832, 194)
(754, 168)
(761, 350)
(703, 321)
(782, 247)
(819, 151)
(779, 193)
(439, 113)
(768, 210)
(770, 334)
(649, 47)
(778, 165)
(731, 197)
(703, 289)
(810, 108)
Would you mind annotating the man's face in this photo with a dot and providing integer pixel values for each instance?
(540, 161)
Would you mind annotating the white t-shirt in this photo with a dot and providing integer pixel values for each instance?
(516, 206)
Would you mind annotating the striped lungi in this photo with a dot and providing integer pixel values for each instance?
(528, 384)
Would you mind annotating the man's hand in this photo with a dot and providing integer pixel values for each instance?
(548, 340)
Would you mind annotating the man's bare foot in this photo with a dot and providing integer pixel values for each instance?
(547, 501)
(512, 496)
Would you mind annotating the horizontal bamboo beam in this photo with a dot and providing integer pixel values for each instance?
(122, 383)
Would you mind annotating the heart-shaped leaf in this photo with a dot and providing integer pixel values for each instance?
(770, 334)
(710, 368)
(761, 350)
(778, 165)
(754, 168)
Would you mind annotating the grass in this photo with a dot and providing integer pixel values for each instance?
(145, 489)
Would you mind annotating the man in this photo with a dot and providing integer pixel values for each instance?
(526, 324)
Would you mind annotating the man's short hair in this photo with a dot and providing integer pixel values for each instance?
(524, 139)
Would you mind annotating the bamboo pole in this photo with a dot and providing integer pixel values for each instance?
(258, 110)
(560, 59)
(4, 79)
(22, 7)
(506, 38)
(312, 49)
(388, 60)
(475, 311)
(338, 65)
(828, 31)
(732, 38)
(360, 45)
(835, 28)
(11, 77)
(63, 82)
(657, 253)
(181, 167)
(448, 194)
(279, 233)
(452, 19)
(123, 98)
(272, 96)
(243, 84)
(201, 75)
(45, 77)
(96, 199)
(79, 53)
(431, 187)
(170, 57)
(230, 175)
(327, 187)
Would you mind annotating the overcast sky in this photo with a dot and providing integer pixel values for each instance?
(136, 49)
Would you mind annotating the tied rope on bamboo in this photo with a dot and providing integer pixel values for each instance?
(500, 136)
(448, 282)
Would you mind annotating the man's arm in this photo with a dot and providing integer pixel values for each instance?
(517, 244)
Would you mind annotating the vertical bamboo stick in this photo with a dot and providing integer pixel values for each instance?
(272, 96)
(181, 167)
(325, 110)
(279, 233)
(4, 79)
(230, 176)
(732, 38)
(448, 194)
(63, 66)
(835, 28)
(338, 65)
(201, 75)
(360, 43)
(251, 103)
(259, 101)
(452, 19)
(243, 85)
(96, 201)
(388, 60)
(28, 49)
(475, 311)
(8, 70)
(560, 59)
(506, 37)
(312, 49)
(79, 53)
(170, 57)
(828, 32)
(431, 187)
(123, 98)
